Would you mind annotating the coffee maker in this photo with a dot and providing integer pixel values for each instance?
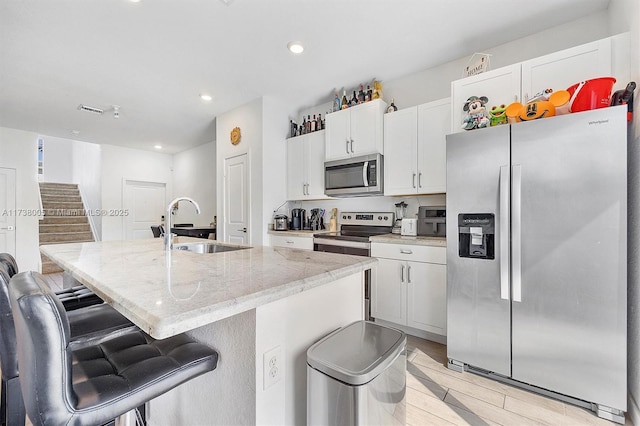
(297, 219)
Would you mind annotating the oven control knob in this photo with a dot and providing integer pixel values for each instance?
(386, 217)
(379, 217)
(344, 216)
(349, 217)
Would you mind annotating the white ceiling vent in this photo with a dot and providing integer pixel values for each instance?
(88, 108)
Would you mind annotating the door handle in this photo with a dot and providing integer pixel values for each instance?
(516, 231)
(402, 274)
(352, 146)
(347, 147)
(8, 228)
(365, 174)
(504, 232)
(243, 230)
(406, 251)
(409, 274)
(414, 180)
(420, 180)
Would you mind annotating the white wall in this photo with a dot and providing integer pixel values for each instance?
(194, 176)
(19, 151)
(87, 166)
(57, 160)
(249, 118)
(120, 163)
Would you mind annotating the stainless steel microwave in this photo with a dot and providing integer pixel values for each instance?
(354, 177)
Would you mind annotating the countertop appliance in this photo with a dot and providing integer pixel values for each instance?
(355, 176)
(401, 213)
(409, 227)
(432, 221)
(281, 222)
(353, 238)
(297, 219)
(537, 256)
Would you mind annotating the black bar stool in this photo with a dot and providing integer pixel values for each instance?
(85, 324)
(91, 383)
(72, 298)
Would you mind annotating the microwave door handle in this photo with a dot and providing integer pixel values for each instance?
(365, 173)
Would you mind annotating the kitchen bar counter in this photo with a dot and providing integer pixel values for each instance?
(250, 305)
(402, 239)
(166, 295)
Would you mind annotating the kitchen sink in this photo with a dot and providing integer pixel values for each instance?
(203, 248)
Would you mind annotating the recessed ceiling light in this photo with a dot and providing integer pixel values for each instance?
(157, 146)
(295, 47)
(205, 97)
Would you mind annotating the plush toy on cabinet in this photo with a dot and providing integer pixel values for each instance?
(377, 90)
(542, 105)
(498, 115)
(476, 113)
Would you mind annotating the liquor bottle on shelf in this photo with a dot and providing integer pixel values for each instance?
(369, 94)
(319, 122)
(336, 103)
(308, 123)
(313, 123)
(392, 107)
(361, 95)
(344, 103)
(354, 99)
(303, 126)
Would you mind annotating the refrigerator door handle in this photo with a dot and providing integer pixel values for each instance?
(504, 232)
(516, 231)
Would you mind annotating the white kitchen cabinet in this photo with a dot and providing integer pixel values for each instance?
(519, 82)
(290, 241)
(305, 167)
(355, 131)
(409, 287)
(415, 149)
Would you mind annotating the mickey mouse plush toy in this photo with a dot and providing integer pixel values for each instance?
(476, 113)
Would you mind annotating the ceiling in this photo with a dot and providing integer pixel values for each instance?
(153, 58)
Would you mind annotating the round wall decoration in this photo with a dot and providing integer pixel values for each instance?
(235, 136)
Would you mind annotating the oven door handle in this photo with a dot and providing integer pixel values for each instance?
(365, 173)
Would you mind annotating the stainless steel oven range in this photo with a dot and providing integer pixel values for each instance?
(353, 238)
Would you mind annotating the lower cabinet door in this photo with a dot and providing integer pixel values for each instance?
(389, 291)
(427, 297)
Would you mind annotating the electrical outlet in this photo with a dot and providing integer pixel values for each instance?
(273, 368)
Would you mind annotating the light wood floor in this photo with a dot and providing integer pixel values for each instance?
(439, 396)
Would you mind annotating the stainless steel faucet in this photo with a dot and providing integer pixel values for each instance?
(168, 235)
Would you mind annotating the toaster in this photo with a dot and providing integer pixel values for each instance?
(409, 227)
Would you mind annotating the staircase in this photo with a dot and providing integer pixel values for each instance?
(65, 220)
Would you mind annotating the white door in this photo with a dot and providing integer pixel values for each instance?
(337, 135)
(236, 199)
(389, 291)
(400, 147)
(295, 168)
(144, 206)
(427, 296)
(8, 211)
(314, 165)
(434, 120)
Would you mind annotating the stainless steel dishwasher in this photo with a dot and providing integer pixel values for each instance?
(357, 376)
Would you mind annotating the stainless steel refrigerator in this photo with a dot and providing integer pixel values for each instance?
(537, 256)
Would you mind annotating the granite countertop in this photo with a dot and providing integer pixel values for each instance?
(402, 239)
(169, 293)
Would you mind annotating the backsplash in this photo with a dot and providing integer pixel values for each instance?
(362, 204)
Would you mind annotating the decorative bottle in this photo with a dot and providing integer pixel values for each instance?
(344, 103)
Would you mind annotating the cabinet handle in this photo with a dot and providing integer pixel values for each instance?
(347, 147)
(414, 180)
(420, 180)
(409, 274)
(352, 146)
(406, 251)
(289, 242)
(402, 274)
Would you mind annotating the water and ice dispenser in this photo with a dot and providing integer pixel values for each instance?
(476, 235)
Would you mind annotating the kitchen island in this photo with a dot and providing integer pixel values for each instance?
(250, 305)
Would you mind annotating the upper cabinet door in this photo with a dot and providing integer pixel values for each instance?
(401, 145)
(500, 86)
(434, 119)
(366, 128)
(337, 135)
(560, 70)
(295, 168)
(314, 165)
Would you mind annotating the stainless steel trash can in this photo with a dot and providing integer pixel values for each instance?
(357, 376)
